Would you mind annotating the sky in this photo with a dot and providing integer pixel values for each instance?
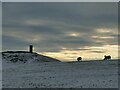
(64, 30)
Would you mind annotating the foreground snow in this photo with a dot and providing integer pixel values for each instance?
(94, 74)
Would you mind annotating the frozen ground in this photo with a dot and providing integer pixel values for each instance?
(93, 74)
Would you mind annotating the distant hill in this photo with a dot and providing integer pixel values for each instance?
(24, 56)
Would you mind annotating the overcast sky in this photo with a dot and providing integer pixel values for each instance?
(62, 30)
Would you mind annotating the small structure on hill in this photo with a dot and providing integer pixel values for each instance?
(31, 48)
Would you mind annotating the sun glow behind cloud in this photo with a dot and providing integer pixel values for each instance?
(101, 37)
(74, 34)
(107, 30)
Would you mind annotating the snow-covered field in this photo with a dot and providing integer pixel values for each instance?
(87, 74)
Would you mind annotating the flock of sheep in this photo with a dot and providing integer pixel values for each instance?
(105, 58)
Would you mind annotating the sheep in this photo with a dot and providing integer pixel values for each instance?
(79, 59)
(107, 57)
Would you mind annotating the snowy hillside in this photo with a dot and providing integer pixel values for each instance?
(86, 74)
(24, 56)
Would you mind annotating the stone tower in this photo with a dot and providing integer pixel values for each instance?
(31, 48)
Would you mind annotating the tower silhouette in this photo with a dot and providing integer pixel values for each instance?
(31, 48)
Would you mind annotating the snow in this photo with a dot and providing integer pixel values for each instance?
(26, 57)
(85, 74)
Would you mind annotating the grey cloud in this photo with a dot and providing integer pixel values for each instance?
(76, 12)
(98, 51)
(13, 43)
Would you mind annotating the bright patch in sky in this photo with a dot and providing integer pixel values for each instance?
(86, 53)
